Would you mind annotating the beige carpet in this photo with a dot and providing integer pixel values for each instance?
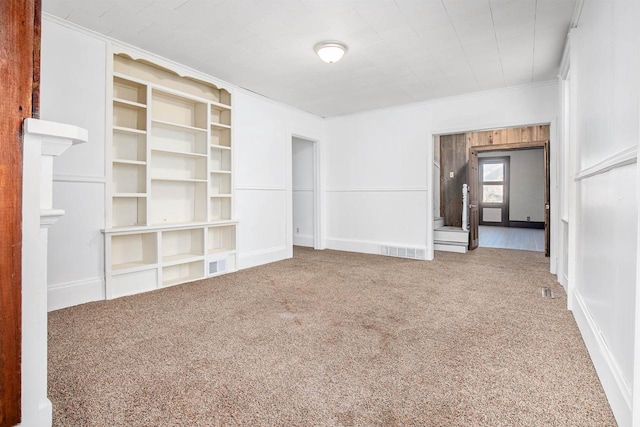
(332, 339)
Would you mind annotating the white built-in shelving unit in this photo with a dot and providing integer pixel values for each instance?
(170, 180)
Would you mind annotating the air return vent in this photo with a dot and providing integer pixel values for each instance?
(401, 252)
(216, 267)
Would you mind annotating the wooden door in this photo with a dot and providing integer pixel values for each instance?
(472, 179)
(547, 234)
(493, 191)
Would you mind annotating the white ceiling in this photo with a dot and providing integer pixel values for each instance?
(400, 51)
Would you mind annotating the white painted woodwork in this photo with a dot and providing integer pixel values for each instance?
(602, 141)
(171, 189)
(43, 140)
(303, 192)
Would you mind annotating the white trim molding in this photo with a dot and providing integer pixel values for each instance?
(618, 160)
(261, 256)
(259, 188)
(74, 293)
(365, 246)
(61, 177)
(616, 388)
(378, 190)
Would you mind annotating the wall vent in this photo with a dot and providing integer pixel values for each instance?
(216, 267)
(401, 252)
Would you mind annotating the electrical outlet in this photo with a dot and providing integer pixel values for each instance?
(297, 231)
(528, 218)
(451, 174)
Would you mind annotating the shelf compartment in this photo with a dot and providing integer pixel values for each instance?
(220, 184)
(128, 146)
(220, 137)
(181, 273)
(130, 91)
(128, 211)
(127, 116)
(170, 166)
(131, 251)
(171, 108)
(171, 138)
(220, 116)
(180, 245)
(220, 160)
(221, 239)
(175, 202)
(132, 283)
(128, 104)
(219, 209)
(128, 178)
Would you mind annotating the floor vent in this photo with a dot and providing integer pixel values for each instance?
(547, 293)
(400, 252)
(216, 267)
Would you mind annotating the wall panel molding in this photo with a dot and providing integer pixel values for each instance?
(618, 160)
(259, 188)
(378, 190)
(60, 177)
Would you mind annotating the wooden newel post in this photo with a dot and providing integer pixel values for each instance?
(20, 71)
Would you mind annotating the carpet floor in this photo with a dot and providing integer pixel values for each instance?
(332, 339)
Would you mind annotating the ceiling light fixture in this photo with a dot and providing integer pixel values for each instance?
(330, 52)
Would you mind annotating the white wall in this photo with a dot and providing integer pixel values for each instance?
(303, 194)
(603, 211)
(74, 73)
(73, 92)
(526, 183)
(380, 163)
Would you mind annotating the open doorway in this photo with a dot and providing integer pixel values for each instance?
(511, 199)
(462, 158)
(304, 192)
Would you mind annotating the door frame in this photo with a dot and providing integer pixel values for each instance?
(547, 190)
(318, 187)
(504, 215)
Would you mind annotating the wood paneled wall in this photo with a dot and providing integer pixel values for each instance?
(453, 173)
(454, 156)
(508, 136)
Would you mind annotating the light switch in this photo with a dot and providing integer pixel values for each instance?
(450, 174)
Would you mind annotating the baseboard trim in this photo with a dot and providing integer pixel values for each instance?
(365, 246)
(261, 257)
(617, 391)
(74, 293)
(527, 224)
(303, 240)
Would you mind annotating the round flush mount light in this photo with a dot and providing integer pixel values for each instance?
(330, 52)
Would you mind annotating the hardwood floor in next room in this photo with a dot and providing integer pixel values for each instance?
(527, 239)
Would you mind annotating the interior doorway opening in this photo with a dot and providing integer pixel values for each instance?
(507, 173)
(304, 192)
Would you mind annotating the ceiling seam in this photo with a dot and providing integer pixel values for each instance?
(426, 49)
(495, 35)
(461, 47)
(533, 53)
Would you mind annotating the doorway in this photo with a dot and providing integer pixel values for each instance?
(304, 192)
(456, 161)
(513, 197)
